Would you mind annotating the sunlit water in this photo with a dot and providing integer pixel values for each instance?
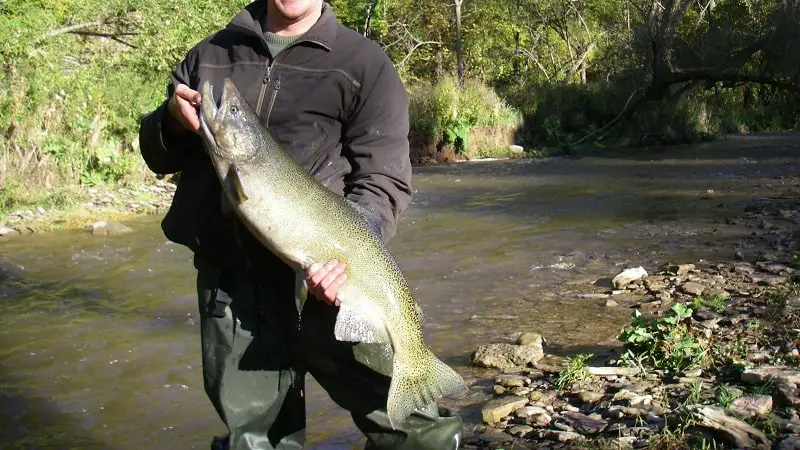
(99, 341)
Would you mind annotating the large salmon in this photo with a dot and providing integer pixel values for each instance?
(303, 222)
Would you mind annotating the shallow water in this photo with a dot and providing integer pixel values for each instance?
(99, 341)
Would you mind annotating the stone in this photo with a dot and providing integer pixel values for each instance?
(109, 228)
(5, 231)
(584, 424)
(590, 397)
(530, 339)
(627, 276)
(732, 431)
(551, 364)
(495, 436)
(611, 303)
(654, 419)
(641, 400)
(499, 390)
(506, 356)
(759, 375)
(510, 381)
(520, 430)
(529, 411)
(494, 410)
(751, 405)
(539, 420)
(542, 397)
(680, 269)
(789, 443)
(516, 149)
(787, 395)
(564, 436)
(693, 288)
(614, 413)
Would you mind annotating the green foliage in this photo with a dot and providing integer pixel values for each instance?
(724, 396)
(667, 343)
(575, 372)
(715, 303)
(444, 110)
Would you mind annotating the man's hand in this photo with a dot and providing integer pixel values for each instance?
(324, 281)
(182, 107)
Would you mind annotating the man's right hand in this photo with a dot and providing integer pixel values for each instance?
(182, 107)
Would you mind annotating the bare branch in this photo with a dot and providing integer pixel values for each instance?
(72, 28)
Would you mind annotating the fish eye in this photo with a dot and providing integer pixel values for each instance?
(234, 109)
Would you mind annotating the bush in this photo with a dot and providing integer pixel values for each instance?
(442, 110)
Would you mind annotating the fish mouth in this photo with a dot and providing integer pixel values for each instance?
(208, 115)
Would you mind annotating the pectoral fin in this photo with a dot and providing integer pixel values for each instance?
(235, 185)
(354, 327)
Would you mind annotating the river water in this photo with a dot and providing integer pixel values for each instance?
(99, 340)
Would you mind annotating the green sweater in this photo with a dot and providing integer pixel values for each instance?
(276, 43)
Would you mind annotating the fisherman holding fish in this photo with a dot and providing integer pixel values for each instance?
(334, 102)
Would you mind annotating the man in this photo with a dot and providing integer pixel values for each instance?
(334, 101)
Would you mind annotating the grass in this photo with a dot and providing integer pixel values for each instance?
(575, 372)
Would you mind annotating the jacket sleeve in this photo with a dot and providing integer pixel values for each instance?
(376, 143)
(162, 140)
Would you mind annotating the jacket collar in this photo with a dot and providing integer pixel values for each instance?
(322, 33)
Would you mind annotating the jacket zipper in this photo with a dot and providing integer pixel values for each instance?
(267, 80)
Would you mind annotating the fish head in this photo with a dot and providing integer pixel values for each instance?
(229, 127)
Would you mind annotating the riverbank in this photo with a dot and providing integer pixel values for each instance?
(710, 359)
(88, 205)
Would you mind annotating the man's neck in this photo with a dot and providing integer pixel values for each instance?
(278, 24)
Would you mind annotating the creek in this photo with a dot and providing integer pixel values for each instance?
(99, 336)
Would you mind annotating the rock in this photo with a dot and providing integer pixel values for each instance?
(614, 413)
(563, 436)
(611, 303)
(510, 381)
(751, 405)
(627, 276)
(108, 228)
(584, 424)
(539, 420)
(732, 431)
(789, 443)
(516, 149)
(594, 296)
(763, 374)
(520, 430)
(494, 435)
(542, 398)
(506, 356)
(693, 288)
(641, 400)
(680, 269)
(787, 395)
(496, 409)
(529, 411)
(613, 371)
(551, 364)
(5, 231)
(590, 397)
(654, 419)
(530, 340)
(499, 390)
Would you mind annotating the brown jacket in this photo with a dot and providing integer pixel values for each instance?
(332, 99)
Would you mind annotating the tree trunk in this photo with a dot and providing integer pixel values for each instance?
(370, 10)
(459, 52)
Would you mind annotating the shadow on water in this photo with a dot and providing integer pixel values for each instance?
(28, 421)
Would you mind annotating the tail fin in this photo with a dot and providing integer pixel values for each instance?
(414, 387)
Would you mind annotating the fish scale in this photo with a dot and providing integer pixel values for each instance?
(303, 222)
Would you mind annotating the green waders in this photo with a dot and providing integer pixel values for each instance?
(257, 350)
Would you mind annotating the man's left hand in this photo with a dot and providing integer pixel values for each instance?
(324, 281)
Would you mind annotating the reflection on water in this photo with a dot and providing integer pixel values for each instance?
(100, 345)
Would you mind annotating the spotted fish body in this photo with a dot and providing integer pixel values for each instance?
(303, 222)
